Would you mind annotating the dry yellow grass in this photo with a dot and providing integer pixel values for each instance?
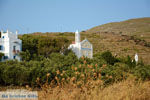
(138, 25)
(126, 90)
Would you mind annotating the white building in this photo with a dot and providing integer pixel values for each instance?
(84, 48)
(10, 45)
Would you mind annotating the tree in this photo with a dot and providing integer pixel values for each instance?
(108, 57)
(29, 43)
(25, 55)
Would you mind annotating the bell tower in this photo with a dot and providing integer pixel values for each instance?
(77, 37)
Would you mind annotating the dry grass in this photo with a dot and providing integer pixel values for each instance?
(90, 86)
(131, 26)
(118, 45)
(126, 90)
(104, 40)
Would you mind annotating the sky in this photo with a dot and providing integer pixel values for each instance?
(28, 16)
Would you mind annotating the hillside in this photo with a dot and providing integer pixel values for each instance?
(123, 38)
(131, 26)
(139, 27)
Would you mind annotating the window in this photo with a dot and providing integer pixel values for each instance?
(1, 47)
(14, 48)
(14, 57)
(5, 57)
(86, 53)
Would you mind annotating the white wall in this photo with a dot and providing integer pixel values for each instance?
(9, 41)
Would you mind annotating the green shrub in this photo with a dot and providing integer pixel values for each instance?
(35, 46)
(142, 72)
(114, 73)
(131, 63)
(108, 57)
(14, 73)
(27, 71)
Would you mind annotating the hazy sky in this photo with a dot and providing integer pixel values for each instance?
(67, 15)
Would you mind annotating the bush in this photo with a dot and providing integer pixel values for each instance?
(142, 72)
(27, 71)
(114, 73)
(35, 46)
(107, 56)
(131, 63)
(14, 73)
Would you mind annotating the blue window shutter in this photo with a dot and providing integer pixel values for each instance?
(1, 47)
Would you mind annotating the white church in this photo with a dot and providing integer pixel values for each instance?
(10, 45)
(84, 48)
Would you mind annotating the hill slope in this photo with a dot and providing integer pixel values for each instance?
(123, 38)
(131, 26)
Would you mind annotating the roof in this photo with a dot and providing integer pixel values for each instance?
(85, 41)
(73, 42)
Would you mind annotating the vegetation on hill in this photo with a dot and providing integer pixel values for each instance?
(138, 28)
(122, 38)
(40, 47)
(130, 26)
(42, 55)
(26, 72)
